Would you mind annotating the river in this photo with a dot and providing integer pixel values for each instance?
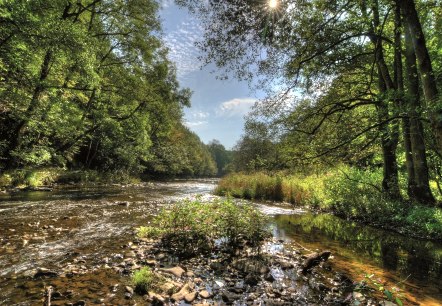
(85, 227)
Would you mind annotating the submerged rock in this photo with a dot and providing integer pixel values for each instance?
(313, 260)
(43, 272)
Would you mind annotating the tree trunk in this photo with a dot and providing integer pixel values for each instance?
(399, 84)
(425, 68)
(33, 104)
(389, 134)
(422, 191)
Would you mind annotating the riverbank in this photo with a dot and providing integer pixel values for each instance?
(352, 195)
(44, 179)
(86, 235)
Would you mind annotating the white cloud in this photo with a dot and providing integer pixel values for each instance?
(181, 44)
(200, 115)
(166, 3)
(235, 107)
(194, 124)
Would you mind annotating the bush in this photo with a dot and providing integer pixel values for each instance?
(193, 227)
(144, 279)
(347, 191)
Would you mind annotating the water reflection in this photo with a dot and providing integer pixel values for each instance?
(418, 261)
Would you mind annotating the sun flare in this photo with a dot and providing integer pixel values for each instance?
(273, 3)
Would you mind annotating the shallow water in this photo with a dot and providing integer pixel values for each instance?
(88, 225)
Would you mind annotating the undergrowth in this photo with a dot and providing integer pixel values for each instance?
(348, 192)
(194, 227)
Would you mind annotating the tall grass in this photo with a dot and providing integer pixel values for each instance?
(348, 192)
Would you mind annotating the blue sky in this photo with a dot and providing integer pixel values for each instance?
(218, 107)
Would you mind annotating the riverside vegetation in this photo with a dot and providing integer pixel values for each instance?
(347, 192)
(224, 252)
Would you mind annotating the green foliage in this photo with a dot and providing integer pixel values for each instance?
(30, 177)
(149, 232)
(181, 153)
(262, 186)
(346, 191)
(220, 155)
(192, 227)
(88, 84)
(392, 294)
(144, 280)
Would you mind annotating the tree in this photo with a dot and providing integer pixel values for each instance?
(308, 47)
(221, 156)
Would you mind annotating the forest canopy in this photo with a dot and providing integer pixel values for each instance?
(88, 84)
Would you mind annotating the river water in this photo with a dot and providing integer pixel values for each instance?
(84, 227)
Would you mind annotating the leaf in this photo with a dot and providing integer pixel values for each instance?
(388, 294)
(399, 302)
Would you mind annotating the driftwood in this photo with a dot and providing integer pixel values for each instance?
(48, 295)
(313, 260)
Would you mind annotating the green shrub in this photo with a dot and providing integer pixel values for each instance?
(193, 227)
(149, 232)
(144, 279)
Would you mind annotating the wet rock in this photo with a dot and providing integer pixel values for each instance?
(129, 290)
(229, 297)
(248, 265)
(161, 257)
(168, 287)
(190, 297)
(151, 262)
(57, 295)
(43, 272)
(269, 277)
(154, 299)
(127, 296)
(251, 280)
(216, 266)
(205, 294)
(285, 265)
(176, 271)
(182, 293)
(37, 239)
(313, 260)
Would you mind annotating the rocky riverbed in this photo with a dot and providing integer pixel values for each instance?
(279, 275)
(80, 241)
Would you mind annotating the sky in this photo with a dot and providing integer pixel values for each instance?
(218, 106)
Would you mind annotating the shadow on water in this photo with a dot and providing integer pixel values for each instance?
(416, 264)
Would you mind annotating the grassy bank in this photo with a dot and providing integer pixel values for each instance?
(348, 192)
(22, 178)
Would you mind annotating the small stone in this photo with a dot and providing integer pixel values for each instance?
(129, 290)
(151, 262)
(127, 296)
(190, 274)
(182, 293)
(176, 271)
(190, 297)
(285, 264)
(43, 272)
(205, 294)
